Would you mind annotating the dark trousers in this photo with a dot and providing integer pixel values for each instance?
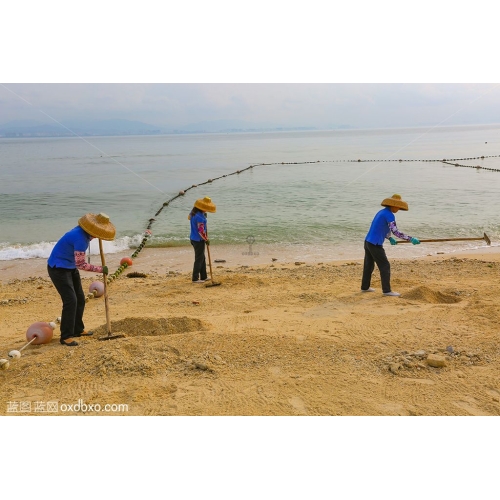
(69, 286)
(375, 254)
(200, 264)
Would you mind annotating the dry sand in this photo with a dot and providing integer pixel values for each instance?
(274, 338)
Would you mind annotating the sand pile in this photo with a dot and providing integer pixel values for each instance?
(146, 327)
(425, 294)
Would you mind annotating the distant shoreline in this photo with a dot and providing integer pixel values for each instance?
(24, 133)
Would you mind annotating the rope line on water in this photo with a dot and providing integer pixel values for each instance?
(147, 233)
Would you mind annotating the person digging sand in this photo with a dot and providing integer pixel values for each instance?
(383, 224)
(63, 265)
(199, 237)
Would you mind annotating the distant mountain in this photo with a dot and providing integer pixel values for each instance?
(221, 126)
(117, 127)
(31, 128)
(21, 123)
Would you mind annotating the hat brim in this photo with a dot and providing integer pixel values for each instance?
(391, 202)
(97, 226)
(206, 207)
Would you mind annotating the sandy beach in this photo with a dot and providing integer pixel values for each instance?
(275, 338)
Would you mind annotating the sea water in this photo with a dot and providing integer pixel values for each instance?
(307, 190)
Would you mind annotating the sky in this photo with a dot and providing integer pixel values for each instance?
(362, 65)
(318, 105)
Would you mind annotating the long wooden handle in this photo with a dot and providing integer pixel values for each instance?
(210, 263)
(444, 239)
(104, 279)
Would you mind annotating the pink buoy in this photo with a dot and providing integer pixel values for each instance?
(98, 287)
(41, 331)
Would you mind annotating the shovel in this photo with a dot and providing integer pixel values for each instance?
(106, 305)
(485, 238)
(212, 282)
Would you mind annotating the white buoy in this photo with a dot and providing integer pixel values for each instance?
(4, 364)
(14, 354)
(52, 325)
(96, 289)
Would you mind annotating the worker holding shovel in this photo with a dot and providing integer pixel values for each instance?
(65, 261)
(199, 237)
(383, 224)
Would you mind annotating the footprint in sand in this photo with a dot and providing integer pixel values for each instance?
(424, 381)
(298, 405)
(494, 394)
(471, 409)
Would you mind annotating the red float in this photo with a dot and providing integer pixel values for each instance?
(41, 331)
(126, 260)
(97, 287)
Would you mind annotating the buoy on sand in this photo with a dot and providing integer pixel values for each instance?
(41, 331)
(14, 354)
(97, 288)
(126, 260)
(4, 364)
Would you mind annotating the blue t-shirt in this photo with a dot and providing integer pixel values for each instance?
(379, 229)
(197, 219)
(63, 254)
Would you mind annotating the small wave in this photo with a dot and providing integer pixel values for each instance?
(43, 249)
(164, 242)
(115, 246)
(33, 251)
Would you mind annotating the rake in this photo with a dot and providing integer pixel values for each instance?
(106, 305)
(212, 282)
(485, 238)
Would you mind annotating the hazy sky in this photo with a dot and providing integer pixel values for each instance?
(269, 41)
(279, 104)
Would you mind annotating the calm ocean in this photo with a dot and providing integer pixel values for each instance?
(322, 208)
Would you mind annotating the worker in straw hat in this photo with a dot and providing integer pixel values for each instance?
(383, 224)
(65, 261)
(199, 236)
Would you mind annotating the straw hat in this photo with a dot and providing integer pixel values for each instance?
(98, 226)
(205, 204)
(395, 201)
